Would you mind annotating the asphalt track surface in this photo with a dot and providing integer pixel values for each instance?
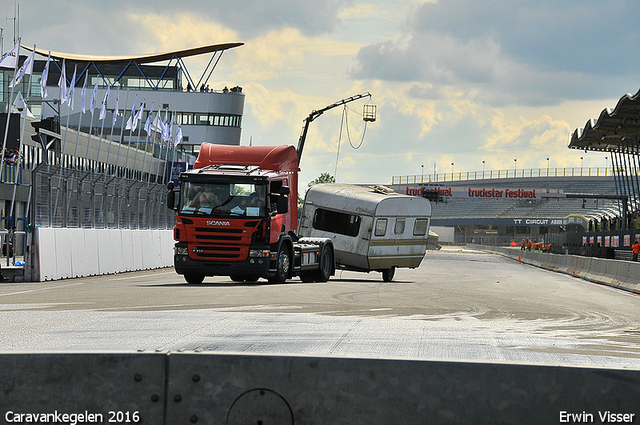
(458, 305)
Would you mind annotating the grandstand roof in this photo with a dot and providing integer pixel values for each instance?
(141, 59)
(614, 128)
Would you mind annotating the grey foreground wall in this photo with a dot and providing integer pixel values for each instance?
(205, 388)
(617, 273)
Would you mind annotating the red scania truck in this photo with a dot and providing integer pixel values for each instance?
(237, 215)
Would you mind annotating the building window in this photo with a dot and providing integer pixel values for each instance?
(336, 222)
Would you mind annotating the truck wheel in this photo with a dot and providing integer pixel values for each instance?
(387, 275)
(282, 266)
(326, 264)
(194, 279)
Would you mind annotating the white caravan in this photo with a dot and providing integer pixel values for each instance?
(372, 228)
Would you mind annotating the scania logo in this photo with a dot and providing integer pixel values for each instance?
(218, 223)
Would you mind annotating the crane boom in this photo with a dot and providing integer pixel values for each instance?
(315, 114)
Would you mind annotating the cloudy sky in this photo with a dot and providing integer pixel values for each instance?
(454, 81)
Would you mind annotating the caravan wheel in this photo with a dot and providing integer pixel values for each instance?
(387, 275)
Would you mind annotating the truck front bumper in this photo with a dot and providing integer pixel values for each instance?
(251, 267)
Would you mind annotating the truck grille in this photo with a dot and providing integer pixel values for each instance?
(220, 244)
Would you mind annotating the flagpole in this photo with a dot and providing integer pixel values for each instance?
(135, 157)
(106, 104)
(84, 88)
(92, 107)
(113, 123)
(69, 104)
(161, 146)
(148, 131)
(126, 162)
(146, 145)
(63, 93)
(175, 148)
(124, 114)
(115, 173)
(164, 172)
(18, 157)
(6, 129)
(86, 159)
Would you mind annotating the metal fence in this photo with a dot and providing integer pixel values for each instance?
(87, 199)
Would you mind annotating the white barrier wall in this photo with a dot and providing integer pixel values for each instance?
(65, 253)
(617, 273)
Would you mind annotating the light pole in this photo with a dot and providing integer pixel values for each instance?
(422, 167)
(606, 164)
(452, 170)
(547, 166)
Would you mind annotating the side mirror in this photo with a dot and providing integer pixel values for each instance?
(171, 196)
(285, 190)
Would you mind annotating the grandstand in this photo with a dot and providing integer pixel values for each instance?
(538, 204)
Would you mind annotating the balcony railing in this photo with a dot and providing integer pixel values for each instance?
(504, 174)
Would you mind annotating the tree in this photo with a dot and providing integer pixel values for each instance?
(323, 178)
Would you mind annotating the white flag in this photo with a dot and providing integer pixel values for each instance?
(62, 83)
(138, 117)
(26, 68)
(103, 110)
(129, 125)
(72, 88)
(84, 91)
(157, 124)
(45, 76)
(147, 124)
(166, 130)
(178, 138)
(92, 104)
(8, 60)
(20, 106)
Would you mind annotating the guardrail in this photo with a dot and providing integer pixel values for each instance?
(208, 388)
(504, 174)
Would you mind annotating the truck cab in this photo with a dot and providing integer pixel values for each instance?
(236, 215)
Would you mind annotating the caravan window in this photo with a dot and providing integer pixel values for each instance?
(381, 227)
(336, 222)
(420, 227)
(399, 229)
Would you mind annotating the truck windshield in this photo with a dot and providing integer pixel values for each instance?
(223, 199)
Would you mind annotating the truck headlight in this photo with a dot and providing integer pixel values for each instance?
(258, 253)
(181, 250)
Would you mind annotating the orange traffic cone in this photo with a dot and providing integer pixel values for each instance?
(518, 258)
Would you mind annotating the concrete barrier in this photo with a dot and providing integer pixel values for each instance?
(617, 273)
(104, 388)
(65, 253)
(198, 388)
